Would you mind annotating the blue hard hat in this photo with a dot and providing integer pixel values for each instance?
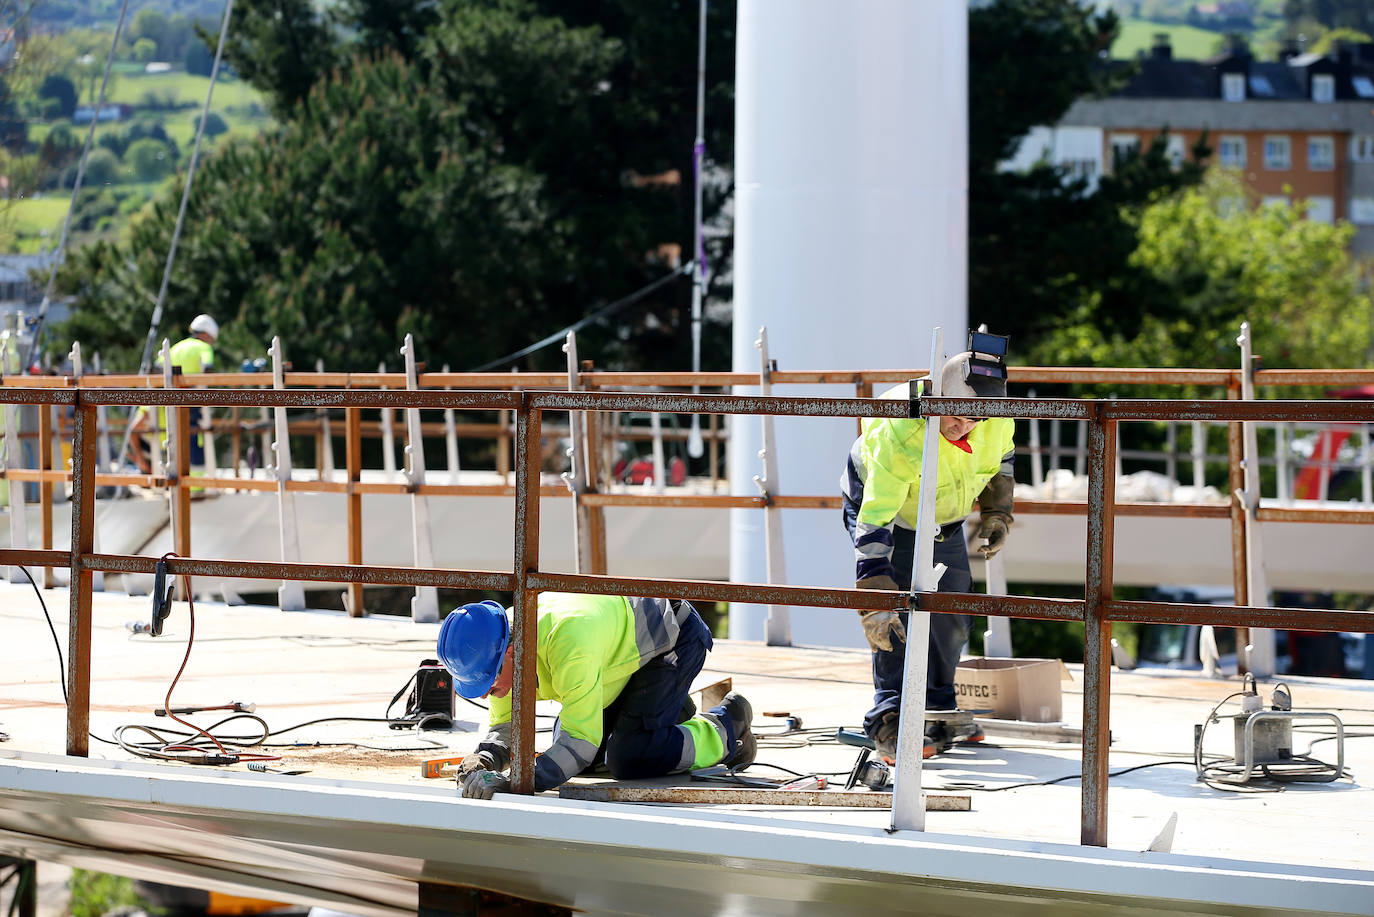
(472, 642)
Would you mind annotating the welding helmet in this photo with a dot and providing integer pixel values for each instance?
(980, 371)
(472, 643)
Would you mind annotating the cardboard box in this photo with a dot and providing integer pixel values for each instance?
(1012, 689)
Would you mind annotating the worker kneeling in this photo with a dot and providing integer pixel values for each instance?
(620, 668)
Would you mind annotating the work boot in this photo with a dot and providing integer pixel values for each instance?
(739, 713)
(885, 741)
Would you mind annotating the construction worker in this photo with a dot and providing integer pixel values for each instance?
(194, 354)
(620, 668)
(880, 487)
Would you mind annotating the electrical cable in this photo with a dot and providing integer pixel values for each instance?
(61, 666)
(603, 311)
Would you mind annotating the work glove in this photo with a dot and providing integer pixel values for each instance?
(995, 504)
(482, 784)
(879, 626)
(994, 528)
(477, 761)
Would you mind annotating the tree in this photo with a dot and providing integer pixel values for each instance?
(1335, 14)
(1290, 277)
(149, 159)
(282, 47)
(149, 24)
(144, 50)
(214, 124)
(102, 168)
(60, 88)
(476, 192)
(199, 59)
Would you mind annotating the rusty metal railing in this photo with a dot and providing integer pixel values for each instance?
(1097, 610)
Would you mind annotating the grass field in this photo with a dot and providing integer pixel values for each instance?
(1189, 43)
(36, 221)
(131, 89)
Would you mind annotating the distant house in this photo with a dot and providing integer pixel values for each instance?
(157, 66)
(108, 112)
(1300, 127)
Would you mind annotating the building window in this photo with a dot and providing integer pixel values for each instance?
(1364, 87)
(1233, 87)
(1321, 154)
(1173, 150)
(1362, 210)
(1124, 146)
(1231, 152)
(1323, 87)
(1321, 209)
(1362, 148)
(1277, 153)
(1274, 200)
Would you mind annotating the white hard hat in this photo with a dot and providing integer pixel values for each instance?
(204, 324)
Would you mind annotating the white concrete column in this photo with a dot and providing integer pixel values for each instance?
(851, 149)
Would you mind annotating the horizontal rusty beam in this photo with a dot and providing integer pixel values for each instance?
(1241, 616)
(301, 398)
(754, 796)
(714, 590)
(329, 573)
(1350, 516)
(43, 395)
(718, 404)
(1003, 606)
(34, 557)
(1080, 508)
(1142, 409)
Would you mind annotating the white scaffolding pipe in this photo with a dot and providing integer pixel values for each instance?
(388, 435)
(1261, 649)
(451, 439)
(576, 476)
(777, 627)
(1037, 463)
(997, 638)
(291, 594)
(14, 459)
(424, 605)
(102, 426)
(326, 437)
(1199, 459)
(908, 801)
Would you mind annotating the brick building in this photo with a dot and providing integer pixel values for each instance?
(1301, 127)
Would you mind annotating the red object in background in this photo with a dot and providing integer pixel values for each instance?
(1308, 483)
(642, 469)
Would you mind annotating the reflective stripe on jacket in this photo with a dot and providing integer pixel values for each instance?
(587, 647)
(883, 477)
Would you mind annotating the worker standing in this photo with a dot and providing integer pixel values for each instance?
(881, 489)
(193, 354)
(621, 669)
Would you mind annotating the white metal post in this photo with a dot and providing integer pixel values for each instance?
(997, 638)
(908, 801)
(14, 459)
(1199, 459)
(388, 436)
(576, 475)
(1261, 649)
(291, 594)
(777, 628)
(694, 444)
(424, 605)
(451, 439)
(660, 467)
(102, 425)
(173, 444)
(1285, 486)
(326, 437)
(1037, 464)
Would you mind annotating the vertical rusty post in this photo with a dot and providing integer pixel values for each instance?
(354, 459)
(862, 389)
(528, 454)
(181, 493)
(45, 487)
(84, 440)
(1235, 479)
(1097, 638)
